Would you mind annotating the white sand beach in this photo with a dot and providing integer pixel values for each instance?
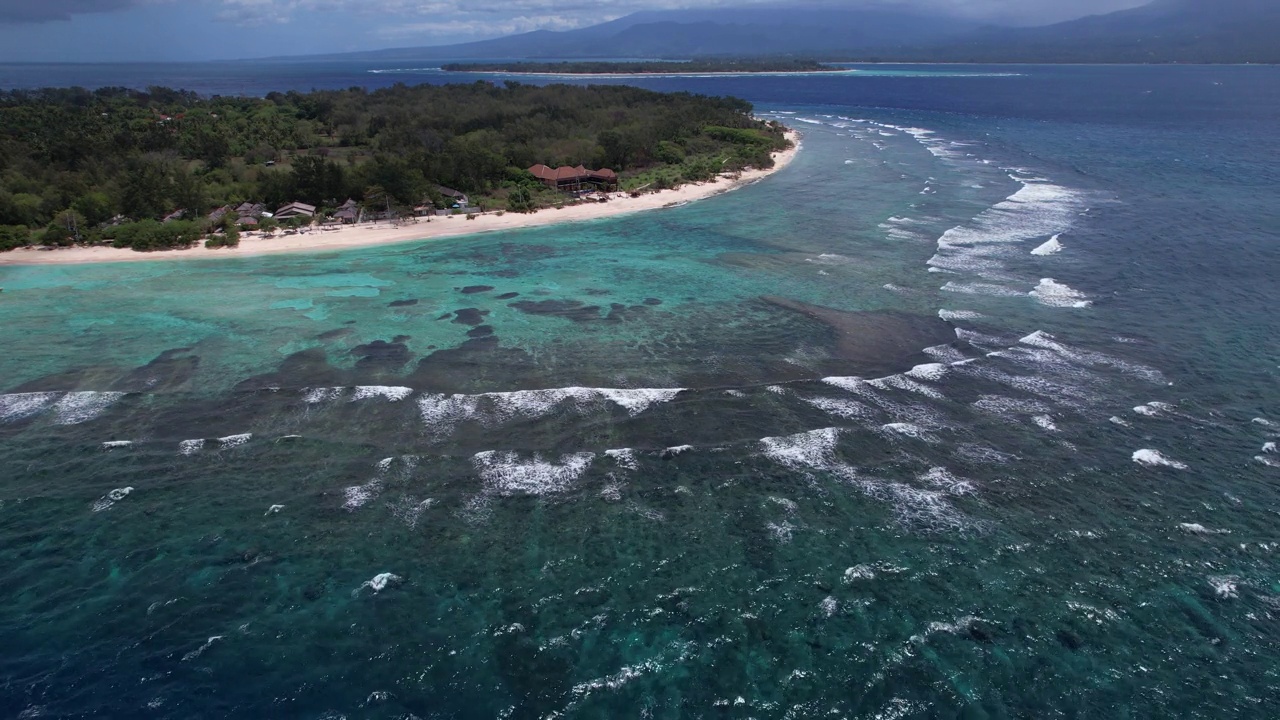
(387, 232)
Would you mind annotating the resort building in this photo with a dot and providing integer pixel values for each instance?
(575, 179)
(456, 198)
(295, 210)
(348, 213)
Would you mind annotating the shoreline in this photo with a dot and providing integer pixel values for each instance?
(370, 235)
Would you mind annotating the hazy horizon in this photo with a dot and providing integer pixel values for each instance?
(201, 30)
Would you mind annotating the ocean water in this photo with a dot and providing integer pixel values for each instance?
(971, 411)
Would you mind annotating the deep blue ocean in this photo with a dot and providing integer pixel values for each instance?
(969, 412)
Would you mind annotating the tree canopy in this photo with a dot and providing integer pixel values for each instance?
(74, 163)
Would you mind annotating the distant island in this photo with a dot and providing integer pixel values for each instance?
(166, 169)
(647, 67)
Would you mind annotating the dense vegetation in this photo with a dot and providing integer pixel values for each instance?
(646, 67)
(107, 166)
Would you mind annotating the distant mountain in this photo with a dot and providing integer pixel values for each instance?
(702, 33)
(1215, 31)
(1190, 31)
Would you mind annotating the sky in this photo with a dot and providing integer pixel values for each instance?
(193, 30)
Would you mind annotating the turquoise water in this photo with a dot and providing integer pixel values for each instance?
(812, 448)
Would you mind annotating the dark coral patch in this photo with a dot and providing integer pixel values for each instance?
(335, 334)
(470, 316)
(481, 331)
(381, 354)
(652, 301)
(473, 289)
(508, 296)
(574, 310)
(403, 303)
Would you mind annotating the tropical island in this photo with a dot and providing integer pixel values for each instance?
(648, 67)
(167, 169)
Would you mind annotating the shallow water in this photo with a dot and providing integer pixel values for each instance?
(837, 443)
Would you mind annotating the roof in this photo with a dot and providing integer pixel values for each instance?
(542, 172)
(450, 192)
(298, 207)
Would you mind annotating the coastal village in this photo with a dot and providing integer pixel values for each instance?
(576, 184)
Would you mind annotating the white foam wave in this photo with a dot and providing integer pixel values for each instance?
(1153, 458)
(379, 582)
(1055, 294)
(1198, 529)
(388, 393)
(20, 406)
(625, 457)
(981, 289)
(111, 498)
(116, 444)
(442, 413)
(909, 430)
(953, 315)
(190, 447)
(901, 382)
(1051, 247)
(808, 450)
(1263, 422)
(80, 407)
(1269, 462)
(852, 384)
(504, 473)
(1045, 422)
(929, 371)
(231, 441)
(946, 354)
(848, 409)
(829, 606)
(1153, 408)
(1269, 447)
(200, 650)
(943, 478)
(273, 510)
(1225, 588)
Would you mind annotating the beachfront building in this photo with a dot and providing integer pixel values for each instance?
(348, 213)
(575, 179)
(455, 198)
(295, 210)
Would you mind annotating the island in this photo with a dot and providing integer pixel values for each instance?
(648, 67)
(117, 169)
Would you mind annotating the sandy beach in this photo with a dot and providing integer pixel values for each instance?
(387, 233)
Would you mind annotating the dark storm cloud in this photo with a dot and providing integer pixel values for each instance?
(39, 11)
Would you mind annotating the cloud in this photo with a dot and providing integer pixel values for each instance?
(39, 11)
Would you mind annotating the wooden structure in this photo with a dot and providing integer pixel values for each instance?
(575, 179)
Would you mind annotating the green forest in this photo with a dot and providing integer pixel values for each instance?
(144, 169)
(648, 67)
